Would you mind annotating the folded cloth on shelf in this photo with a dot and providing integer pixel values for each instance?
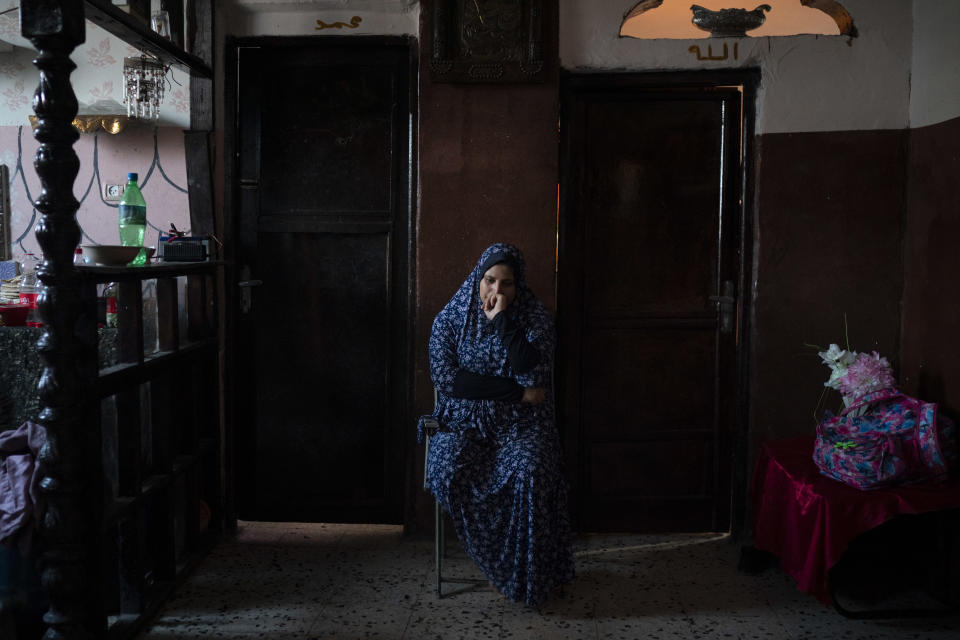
(10, 289)
(19, 449)
(8, 269)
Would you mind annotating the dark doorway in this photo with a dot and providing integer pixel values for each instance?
(322, 186)
(650, 298)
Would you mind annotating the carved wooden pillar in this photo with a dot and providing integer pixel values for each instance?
(70, 459)
(199, 139)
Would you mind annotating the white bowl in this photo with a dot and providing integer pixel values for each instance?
(113, 255)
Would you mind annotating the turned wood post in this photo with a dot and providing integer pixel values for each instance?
(70, 466)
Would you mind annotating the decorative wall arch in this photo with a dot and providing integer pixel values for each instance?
(832, 8)
(836, 11)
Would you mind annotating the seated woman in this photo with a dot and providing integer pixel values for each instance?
(497, 468)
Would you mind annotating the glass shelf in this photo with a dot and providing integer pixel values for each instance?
(138, 34)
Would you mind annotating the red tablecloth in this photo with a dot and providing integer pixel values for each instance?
(808, 520)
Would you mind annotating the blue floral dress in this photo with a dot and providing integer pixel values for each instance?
(498, 470)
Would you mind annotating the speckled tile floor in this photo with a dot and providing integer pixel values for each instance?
(346, 582)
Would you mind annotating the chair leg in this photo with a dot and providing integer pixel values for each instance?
(437, 544)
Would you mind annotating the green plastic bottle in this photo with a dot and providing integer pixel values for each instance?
(133, 219)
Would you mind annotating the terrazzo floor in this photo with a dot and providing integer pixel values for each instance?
(346, 582)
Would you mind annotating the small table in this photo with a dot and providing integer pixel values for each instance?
(808, 520)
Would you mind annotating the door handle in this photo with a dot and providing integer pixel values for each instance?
(726, 303)
(246, 300)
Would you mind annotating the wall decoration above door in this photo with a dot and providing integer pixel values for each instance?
(660, 19)
(487, 41)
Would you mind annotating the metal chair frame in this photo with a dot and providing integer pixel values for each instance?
(431, 427)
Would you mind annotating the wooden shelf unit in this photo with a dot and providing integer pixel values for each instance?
(160, 439)
(122, 515)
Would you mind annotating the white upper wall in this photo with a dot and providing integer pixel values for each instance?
(808, 83)
(935, 82)
(898, 72)
(323, 17)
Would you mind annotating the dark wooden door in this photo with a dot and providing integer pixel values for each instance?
(323, 132)
(649, 241)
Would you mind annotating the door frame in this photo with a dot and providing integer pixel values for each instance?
(749, 79)
(233, 402)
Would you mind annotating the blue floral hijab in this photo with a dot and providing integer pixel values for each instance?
(462, 337)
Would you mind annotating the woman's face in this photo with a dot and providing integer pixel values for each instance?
(498, 279)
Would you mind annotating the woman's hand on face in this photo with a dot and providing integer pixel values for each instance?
(533, 395)
(494, 304)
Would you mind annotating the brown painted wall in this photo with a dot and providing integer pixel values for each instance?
(830, 210)
(931, 306)
(488, 158)
(832, 238)
(829, 224)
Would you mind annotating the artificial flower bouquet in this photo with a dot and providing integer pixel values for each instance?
(882, 437)
(855, 375)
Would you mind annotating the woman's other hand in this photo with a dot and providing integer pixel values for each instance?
(494, 304)
(533, 395)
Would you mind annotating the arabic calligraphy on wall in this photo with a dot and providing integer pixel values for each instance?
(353, 24)
(726, 52)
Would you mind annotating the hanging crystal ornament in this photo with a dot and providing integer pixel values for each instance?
(143, 84)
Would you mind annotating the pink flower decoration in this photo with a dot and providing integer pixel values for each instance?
(100, 55)
(866, 374)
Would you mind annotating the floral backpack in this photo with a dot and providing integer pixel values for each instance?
(882, 437)
(886, 438)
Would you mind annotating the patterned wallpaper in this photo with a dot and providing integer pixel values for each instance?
(156, 153)
(99, 74)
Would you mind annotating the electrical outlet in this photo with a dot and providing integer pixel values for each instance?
(113, 192)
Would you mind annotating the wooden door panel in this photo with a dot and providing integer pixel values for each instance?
(658, 515)
(639, 288)
(323, 194)
(614, 468)
(646, 384)
(338, 120)
(333, 411)
(651, 225)
(646, 191)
